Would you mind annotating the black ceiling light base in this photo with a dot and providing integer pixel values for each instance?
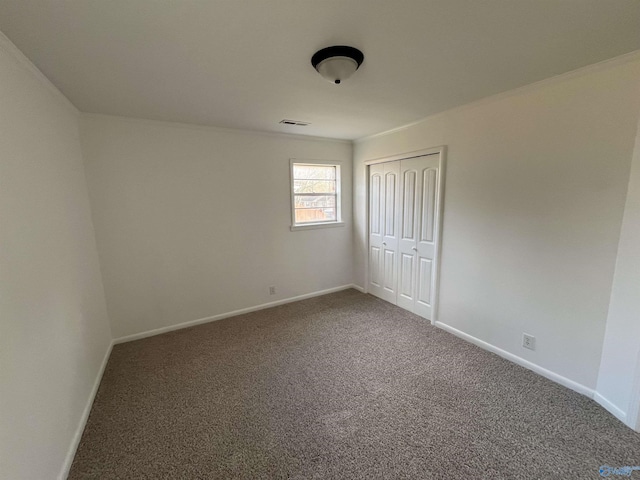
(337, 63)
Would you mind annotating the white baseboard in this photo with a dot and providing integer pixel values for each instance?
(610, 407)
(359, 288)
(85, 416)
(192, 323)
(575, 386)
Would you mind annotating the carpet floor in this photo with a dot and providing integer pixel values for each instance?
(343, 386)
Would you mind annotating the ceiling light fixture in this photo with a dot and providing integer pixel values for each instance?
(337, 63)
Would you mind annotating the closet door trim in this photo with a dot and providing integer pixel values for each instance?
(408, 155)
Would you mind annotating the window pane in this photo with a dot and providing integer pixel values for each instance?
(315, 193)
(310, 172)
(314, 186)
(312, 215)
(319, 201)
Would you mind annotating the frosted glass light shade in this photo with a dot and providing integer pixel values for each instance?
(337, 69)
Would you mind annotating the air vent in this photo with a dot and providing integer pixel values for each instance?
(294, 122)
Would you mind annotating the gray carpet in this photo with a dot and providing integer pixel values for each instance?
(343, 386)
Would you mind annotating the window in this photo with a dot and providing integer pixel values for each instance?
(315, 195)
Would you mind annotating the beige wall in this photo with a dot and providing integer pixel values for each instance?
(535, 190)
(194, 222)
(54, 331)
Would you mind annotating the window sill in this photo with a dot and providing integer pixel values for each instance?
(313, 226)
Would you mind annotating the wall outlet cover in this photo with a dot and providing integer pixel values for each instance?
(528, 341)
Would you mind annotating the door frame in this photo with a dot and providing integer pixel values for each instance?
(633, 411)
(441, 151)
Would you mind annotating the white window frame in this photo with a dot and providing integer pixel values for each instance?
(310, 226)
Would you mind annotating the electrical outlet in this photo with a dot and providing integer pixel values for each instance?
(528, 341)
(272, 290)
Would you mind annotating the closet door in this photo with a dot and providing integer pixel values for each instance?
(427, 235)
(418, 225)
(409, 227)
(383, 230)
(403, 232)
(376, 221)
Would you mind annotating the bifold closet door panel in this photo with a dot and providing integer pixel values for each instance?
(410, 192)
(390, 232)
(427, 235)
(376, 220)
(383, 230)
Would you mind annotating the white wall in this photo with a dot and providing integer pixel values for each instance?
(535, 189)
(194, 222)
(620, 361)
(54, 331)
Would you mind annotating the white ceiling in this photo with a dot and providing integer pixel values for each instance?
(246, 63)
